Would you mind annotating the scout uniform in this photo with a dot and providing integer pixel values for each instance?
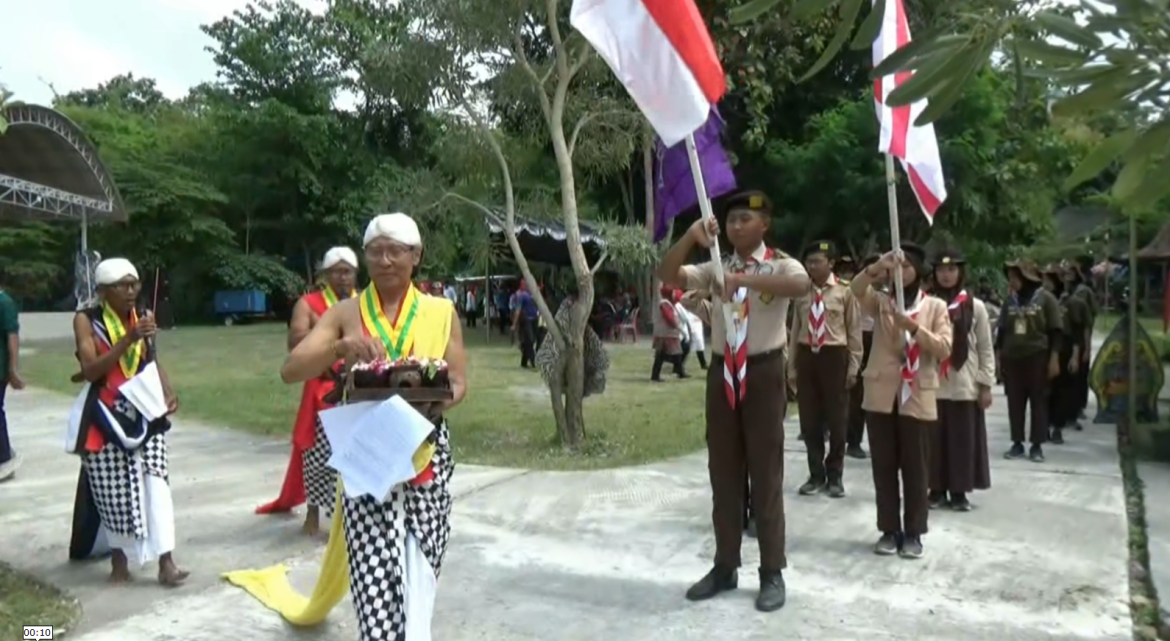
(959, 463)
(1029, 332)
(746, 403)
(856, 429)
(901, 380)
(826, 355)
(1082, 272)
(1063, 400)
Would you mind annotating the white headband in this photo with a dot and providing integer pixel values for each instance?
(339, 255)
(113, 270)
(399, 228)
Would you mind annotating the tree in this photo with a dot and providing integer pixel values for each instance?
(534, 67)
(1104, 59)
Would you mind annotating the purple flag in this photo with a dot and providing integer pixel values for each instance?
(674, 190)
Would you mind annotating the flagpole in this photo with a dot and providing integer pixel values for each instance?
(704, 206)
(895, 233)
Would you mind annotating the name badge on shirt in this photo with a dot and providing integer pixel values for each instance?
(1021, 326)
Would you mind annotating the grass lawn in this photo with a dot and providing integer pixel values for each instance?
(26, 601)
(229, 376)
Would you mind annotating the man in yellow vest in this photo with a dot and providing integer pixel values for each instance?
(393, 546)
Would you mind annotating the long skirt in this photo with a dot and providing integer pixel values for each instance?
(959, 462)
(132, 494)
(396, 551)
(320, 479)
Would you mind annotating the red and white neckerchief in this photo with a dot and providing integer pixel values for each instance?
(953, 311)
(911, 352)
(735, 318)
(816, 316)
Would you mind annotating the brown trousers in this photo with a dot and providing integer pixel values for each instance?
(1025, 380)
(823, 401)
(900, 445)
(752, 437)
(958, 449)
(856, 429)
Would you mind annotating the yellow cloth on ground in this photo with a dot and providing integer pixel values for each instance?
(430, 332)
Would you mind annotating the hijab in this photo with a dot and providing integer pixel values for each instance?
(962, 318)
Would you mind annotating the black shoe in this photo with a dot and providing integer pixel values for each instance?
(717, 580)
(911, 548)
(937, 500)
(836, 487)
(1017, 451)
(812, 486)
(1036, 455)
(855, 451)
(1057, 436)
(773, 593)
(750, 530)
(1078, 427)
(888, 545)
(959, 502)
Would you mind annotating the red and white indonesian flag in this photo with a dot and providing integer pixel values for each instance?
(662, 53)
(915, 147)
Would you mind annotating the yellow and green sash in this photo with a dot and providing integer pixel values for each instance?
(330, 296)
(423, 332)
(396, 336)
(132, 358)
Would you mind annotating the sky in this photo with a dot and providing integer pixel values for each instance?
(78, 44)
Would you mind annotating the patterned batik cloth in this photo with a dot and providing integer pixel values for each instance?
(320, 479)
(596, 359)
(376, 537)
(130, 491)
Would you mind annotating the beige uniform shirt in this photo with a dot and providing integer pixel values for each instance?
(963, 385)
(767, 314)
(842, 321)
(883, 374)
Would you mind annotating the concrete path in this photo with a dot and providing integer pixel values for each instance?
(1156, 477)
(596, 555)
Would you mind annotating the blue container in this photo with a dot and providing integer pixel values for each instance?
(241, 303)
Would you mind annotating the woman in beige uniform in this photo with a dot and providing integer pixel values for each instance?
(900, 383)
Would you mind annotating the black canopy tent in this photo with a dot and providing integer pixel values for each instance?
(540, 242)
(50, 171)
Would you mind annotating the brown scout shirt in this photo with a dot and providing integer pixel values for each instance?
(883, 372)
(767, 314)
(842, 322)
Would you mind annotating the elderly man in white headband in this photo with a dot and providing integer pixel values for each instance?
(404, 533)
(119, 435)
(309, 478)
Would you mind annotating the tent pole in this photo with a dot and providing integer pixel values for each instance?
(487, 296)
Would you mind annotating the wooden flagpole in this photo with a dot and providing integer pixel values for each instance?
(704, 206)
(895, 232)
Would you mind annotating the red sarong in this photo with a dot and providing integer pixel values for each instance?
(292, 493)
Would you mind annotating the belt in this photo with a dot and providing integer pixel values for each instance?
(755, 358)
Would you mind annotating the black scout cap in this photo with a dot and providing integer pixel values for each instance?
(949, 257)
(818, 247)
(751, 200)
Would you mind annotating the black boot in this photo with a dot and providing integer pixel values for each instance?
(836, 486)
(773, 592)
(717, 580)
(855, 451)
(814, 484)
(1036, 454)
(937, 499)
(959, 502)
(656, 369)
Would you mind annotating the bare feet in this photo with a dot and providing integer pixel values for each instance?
(169, 574)
(120, 572)
(312, 525)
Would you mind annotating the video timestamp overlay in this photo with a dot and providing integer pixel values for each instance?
(38, 632)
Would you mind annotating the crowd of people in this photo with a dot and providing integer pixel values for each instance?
(900, 349)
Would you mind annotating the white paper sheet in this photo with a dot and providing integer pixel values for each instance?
(380, 449)
(339, 422)
(145, 392)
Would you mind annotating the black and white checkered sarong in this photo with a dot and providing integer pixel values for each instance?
(117, 485)
(320, 479)
(375, 535)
